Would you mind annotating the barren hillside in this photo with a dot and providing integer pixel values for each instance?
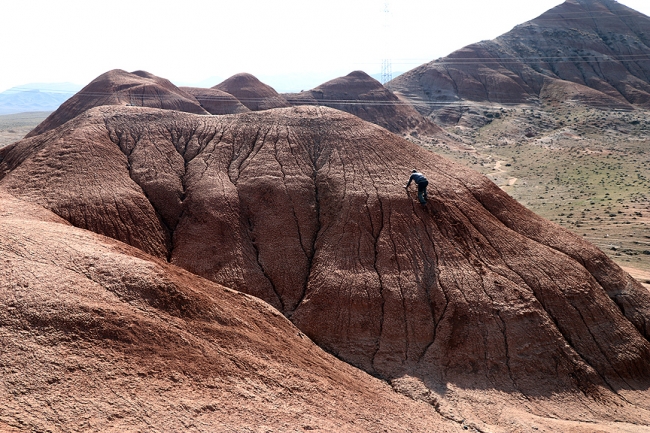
(98, 336)
(305, 208)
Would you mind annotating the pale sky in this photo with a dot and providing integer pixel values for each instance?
(289, 44)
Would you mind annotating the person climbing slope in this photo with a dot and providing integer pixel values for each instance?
(422, 184)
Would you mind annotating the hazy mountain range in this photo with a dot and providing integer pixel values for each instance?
(36, 97)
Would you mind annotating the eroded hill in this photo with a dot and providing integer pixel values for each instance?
(305, 208)
(591, 51)
(216, 101)
(359, 94)
(252, 92)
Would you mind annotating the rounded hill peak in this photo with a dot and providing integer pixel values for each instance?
(251, 92)
(240, 78)
(355, 83)
(144, 74)
(360, 75)
(360, 94)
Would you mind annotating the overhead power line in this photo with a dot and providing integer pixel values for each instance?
(572, 58)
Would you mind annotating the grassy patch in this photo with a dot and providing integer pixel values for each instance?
(585, 169)
(14, 127)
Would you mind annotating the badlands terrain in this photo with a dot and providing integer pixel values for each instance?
(304, 208)
(234, 259)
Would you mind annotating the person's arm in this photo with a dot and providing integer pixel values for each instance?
(409, 183)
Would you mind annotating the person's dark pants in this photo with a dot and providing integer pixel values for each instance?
(422, 192)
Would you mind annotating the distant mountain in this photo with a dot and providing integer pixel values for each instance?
(36, 97)
(67, 87)
(594, 52)
(216, 101)
(251, 92)
(360, 94)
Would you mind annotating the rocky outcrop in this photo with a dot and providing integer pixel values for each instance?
(359, 94)
(216, 101)
(118, 87)
(593, 52)
(252, 92)
(98, 336)
(472, 298)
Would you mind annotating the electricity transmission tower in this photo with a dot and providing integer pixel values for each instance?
(386, 71)
(386, 65)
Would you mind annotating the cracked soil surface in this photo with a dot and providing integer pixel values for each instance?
(470, 303)
(98, 336)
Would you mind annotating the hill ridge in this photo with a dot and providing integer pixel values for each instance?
(118, 87)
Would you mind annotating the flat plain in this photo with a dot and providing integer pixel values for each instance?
(585, 169)
(13, 127)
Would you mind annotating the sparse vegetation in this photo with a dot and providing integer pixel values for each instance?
(589, 172)
(13, 127)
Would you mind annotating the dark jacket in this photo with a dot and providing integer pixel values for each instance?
(418, 178)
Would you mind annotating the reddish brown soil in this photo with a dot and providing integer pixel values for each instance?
(589, 51)
(252, 92)
(97, 336)
(216, 101)
(360, 94)
(471, 303)
(118, 87)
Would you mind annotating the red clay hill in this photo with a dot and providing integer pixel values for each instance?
(594, 52)
(98, 336)
(215, 101)
(252, 92)
(118, 87)
(360, 94)
(473, 304)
